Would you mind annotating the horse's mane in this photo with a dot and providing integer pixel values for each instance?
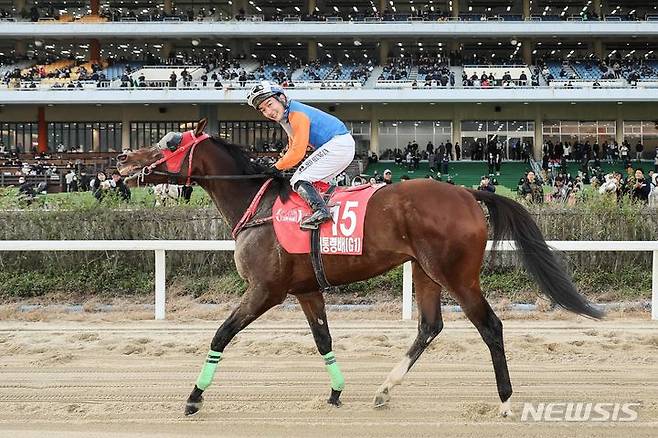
(246, 164)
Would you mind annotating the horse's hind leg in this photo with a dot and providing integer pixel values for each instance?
(314, 309)
(478, 310)
(430, 324)
(254, 303)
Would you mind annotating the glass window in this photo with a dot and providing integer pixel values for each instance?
(645, 132)
(515, 136)
(84, 136)
(145, 134)
(18, 136)
(396, 134)
(581, 131)
(256, 135)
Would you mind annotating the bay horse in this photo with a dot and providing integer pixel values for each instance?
(439, 227)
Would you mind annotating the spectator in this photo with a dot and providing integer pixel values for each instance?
(486, 185)
(612, 185)
(26, 192)
(561, 191)
(639, 148)
(388, 177)
(445, 163)
(120, 187)
(71, 181)
(531, 190)
(623, 152)
(641, 188)
(99, 185)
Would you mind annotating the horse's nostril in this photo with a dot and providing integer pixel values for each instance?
(121, 158)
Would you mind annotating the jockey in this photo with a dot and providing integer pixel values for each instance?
(333, 145)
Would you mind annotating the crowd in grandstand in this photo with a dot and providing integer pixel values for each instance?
(422, 69)
(420, 11)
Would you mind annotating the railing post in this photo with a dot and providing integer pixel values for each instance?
(654, 287)
(160, 271)
(407, 286)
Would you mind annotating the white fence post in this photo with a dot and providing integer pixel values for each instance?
(407, 286)
(654, 287)
(160, 271)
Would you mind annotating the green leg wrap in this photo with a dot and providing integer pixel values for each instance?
(205, 377)
(337, 379)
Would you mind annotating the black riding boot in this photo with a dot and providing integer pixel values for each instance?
(320, 211)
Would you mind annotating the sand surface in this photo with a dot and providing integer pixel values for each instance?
(102, 378)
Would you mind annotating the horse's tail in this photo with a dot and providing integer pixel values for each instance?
(511, 219)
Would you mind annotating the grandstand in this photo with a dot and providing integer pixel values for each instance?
(87, 78)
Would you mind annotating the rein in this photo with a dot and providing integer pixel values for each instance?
(191, 147)
(246, 220)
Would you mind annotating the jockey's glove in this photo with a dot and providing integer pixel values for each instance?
(272, 172)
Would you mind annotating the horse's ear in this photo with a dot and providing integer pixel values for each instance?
(200, 127)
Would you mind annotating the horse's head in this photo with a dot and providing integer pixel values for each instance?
(155, 164)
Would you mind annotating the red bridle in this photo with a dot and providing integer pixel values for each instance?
(174, 160)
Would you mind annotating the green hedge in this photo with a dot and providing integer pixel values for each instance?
(109, 272)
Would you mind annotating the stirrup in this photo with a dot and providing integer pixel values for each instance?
(311, 223)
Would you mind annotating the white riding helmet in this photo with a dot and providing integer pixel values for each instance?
(263, 91)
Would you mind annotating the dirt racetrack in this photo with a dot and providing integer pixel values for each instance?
(96, 378)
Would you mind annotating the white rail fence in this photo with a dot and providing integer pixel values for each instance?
(161, 246)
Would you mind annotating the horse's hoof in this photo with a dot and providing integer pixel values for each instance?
(334, 398)
(382, 398)
(193, 407)
(506, 409)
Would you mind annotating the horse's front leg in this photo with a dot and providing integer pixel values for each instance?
(255, 302)
(313, 307)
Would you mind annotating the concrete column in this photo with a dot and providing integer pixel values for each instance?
(166, 49)
(312, 47)
(539, 136)
(526, 9)
(311, 6)
(598, 7)
(209, 111)
(455, 8)
(95, 7)
(20, 5)
(598, 49)
(384, 47)
(42, 133)
(526, 49)
(457, 130)
(382, 6)
(125, 131)
(96, 139)
(374, 131)
(619, 135)
(168, 6)
(94, 50)
(20, 48)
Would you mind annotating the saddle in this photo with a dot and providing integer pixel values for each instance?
(343, 235)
